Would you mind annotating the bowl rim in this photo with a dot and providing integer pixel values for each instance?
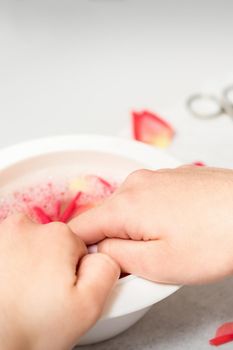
(35, 147)
(149, 292)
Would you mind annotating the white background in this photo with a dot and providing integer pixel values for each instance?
(82, 66)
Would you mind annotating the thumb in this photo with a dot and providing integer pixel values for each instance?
(96, 277)
(149, 259)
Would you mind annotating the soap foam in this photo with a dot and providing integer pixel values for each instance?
(46, 194)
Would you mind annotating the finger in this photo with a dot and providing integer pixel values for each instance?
(185, 166)
(18, 220)
(98, 223)
(97, 274)
(145, 259)
(60, 244)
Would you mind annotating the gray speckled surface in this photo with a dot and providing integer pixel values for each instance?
(186, 320)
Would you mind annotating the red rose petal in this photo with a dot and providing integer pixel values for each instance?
(226, 328)
(152, 129)
(70, 209)
(42, 216)
(199, 164)
(221, 340)
(223, 335)
(105, 183)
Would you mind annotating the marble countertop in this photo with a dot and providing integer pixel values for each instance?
(184, 321)
(81, 66)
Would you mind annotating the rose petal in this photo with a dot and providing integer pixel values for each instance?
(224, 334)
(152, 129)
(227, 338)
(226, 328)
(41, 215)
(199, 163)
(70, 209)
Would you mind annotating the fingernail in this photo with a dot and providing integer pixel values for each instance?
(92, 249)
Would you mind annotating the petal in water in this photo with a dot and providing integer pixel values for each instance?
(42, 217)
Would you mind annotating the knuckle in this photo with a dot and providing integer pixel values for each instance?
(64, 234)
(184, 166)
(17, 219)
(57, 230)
(129, 198)
(164, 171)
(121, 203)
(58, 227)
(139, 174)
(61, 226)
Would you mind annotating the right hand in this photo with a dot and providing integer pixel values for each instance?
(172, 226)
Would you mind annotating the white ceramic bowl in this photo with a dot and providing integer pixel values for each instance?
(109, 157)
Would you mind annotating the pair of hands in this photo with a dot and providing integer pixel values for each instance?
(172, 226)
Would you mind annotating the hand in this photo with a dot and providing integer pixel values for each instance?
(51, 292)
(172, 226)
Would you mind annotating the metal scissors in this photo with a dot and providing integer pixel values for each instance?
(216, 106)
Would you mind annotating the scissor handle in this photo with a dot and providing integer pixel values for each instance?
(227, 100)
(192, 100)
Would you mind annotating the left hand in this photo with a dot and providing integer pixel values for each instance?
(51, 291)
